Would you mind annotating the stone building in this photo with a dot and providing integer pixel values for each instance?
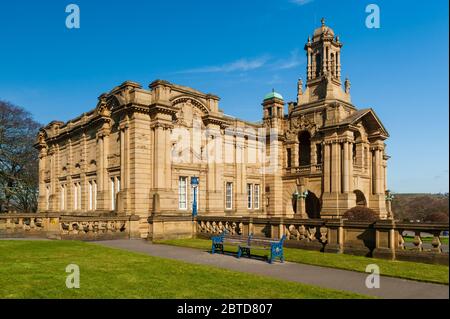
(137, 150)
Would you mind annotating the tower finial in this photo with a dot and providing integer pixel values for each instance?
(322, 21)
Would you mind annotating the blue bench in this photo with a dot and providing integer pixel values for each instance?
(274, 246)
(225, 237)
(245, 245)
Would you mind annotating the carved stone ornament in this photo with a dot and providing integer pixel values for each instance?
(301, 123)
(179, 119)
(102, 107)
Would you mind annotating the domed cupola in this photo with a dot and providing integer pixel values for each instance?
(273, 105)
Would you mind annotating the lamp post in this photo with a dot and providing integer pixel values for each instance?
(194, 184)
(300, 205)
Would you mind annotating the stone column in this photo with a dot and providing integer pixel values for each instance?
(309, 65)
(158, 181)
(350, 168)
(162, 165)
(338, 64)
(104, 197)
(335, 167)
(55, 204)
(300, 202)
(327, 168)
(123, 197)
(345, 167)
(42, 201)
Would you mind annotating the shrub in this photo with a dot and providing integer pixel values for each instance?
(436, 218)
(361, 213)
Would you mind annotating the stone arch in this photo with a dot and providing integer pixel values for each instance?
(106, 103)
(360, 198)
(304, 145)
(313, 205)
(193, 101)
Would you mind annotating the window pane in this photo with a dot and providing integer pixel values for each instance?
(256, 196)
(182, 198)
(249, 196)
(229, 195)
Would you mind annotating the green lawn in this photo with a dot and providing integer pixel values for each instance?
(36, 269)
(410, 239)
(401, 269)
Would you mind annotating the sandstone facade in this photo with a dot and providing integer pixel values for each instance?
(136, 152)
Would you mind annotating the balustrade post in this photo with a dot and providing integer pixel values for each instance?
(436, 243)
(418, 241)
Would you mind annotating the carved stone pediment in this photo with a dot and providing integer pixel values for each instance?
(301, 123)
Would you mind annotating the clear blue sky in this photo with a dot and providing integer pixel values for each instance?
(240, 50)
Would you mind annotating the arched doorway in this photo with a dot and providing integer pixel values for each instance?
(304, 139)
(312, 205)
(360, 198)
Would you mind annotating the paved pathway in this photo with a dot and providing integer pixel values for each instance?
(313, 275)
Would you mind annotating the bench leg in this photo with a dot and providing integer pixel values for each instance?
(216, 246)
(239, 252)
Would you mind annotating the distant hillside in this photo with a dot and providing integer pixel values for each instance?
(419, 206)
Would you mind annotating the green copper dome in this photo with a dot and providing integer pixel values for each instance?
(272, 95)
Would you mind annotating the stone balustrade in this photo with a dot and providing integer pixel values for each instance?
(382, 239)
(304, 170)
(57, 226)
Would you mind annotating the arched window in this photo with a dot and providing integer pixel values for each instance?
(333, 63)
(304, 139)
(318, 64)
(360, 198)
(312, 205)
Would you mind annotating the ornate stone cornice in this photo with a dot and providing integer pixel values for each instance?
(211, 119)
(163, 125)
(164, 108)
(338, 140)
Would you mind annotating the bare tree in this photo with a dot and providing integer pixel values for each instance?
(18, 159)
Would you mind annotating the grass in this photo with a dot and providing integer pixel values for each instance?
(400, 269)
(410, 239)
(36, 269)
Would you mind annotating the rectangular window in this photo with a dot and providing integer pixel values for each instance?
(77, 196)
(47, 197)
(63, 197)
(113, 194)
(319, 153)
(288, 157)
(249, 196)
(182, 192)
(92, 195)
(115, 189)
(256, 196)
(229, 195)
(94, 184)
